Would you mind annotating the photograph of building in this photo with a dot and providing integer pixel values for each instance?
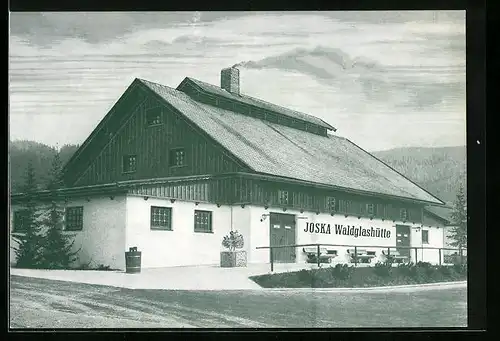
(172, 170)
(251, 169)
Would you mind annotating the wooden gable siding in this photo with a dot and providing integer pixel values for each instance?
(152, 145)
(100, 137)
(218, 191)
(266, 193)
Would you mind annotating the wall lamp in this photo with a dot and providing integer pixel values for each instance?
(146, 198)
(263, 217)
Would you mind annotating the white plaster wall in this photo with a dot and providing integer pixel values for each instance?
(102, 239)
(260, 235)
(436, 235)
(181, 246)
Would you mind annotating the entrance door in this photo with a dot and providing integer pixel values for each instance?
(282, 232)
(403, 239)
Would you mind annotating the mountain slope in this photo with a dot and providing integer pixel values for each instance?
(41, 155)
(438, 170)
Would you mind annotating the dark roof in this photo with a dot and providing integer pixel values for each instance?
(271, 148)
(217, 91)
(442, 212)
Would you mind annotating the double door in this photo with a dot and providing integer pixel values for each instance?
(282, 232)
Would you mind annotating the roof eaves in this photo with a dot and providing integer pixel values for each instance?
(333, 187)
(439, 203)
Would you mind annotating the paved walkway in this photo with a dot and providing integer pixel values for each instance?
(203, 277)
(206, 277)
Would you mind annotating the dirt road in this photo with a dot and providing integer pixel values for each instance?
(40, 303)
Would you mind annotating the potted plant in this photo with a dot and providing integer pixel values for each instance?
(234, 257)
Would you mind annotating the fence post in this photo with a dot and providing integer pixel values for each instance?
(461, 255)
(272, 265)
(440, 263)
(416, 251)
(318, 255)
(355, 256)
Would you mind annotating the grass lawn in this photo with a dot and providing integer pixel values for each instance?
(344, 276)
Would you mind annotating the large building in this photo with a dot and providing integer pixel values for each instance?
(172, 171)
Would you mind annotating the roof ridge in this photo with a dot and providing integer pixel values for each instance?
(263, 101)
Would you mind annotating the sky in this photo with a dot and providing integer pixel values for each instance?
(383, 79)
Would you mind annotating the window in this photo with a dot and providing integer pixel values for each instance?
(331, 204)
(20, 223)
(129, 163)
(283, 197)
(153, 116)
(403, 214)
(161, 218)
(74, 218)
(425, 237)
(348, 206)
(271, 117)
(370, 209)
(203, 221)
(342, 206)
(177, 157)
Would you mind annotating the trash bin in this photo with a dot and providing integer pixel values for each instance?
(133, 261)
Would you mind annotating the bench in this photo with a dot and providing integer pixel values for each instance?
(395, 256)
(361, 255)
(325, 254)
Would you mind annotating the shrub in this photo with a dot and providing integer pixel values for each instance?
(304, 275)
(233, 241)
(460, 269)
(342, 272)
(383, 269)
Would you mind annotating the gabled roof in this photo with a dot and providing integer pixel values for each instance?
(217, 91)
(441, 212)
(271, 148)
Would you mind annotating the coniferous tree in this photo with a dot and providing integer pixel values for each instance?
(30, 243)
(458, 233)
(58, 248)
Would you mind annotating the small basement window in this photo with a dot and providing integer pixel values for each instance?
(425, 237)
(74, 218)
(161, 218)
(331, 204)
(129, 163)
(20, 223)
(203, 221)
(154, 116)
(283, 197)
(177, 157)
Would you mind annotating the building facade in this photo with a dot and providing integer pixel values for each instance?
(172, 171)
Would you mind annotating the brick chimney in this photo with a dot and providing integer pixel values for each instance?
(230, 80)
